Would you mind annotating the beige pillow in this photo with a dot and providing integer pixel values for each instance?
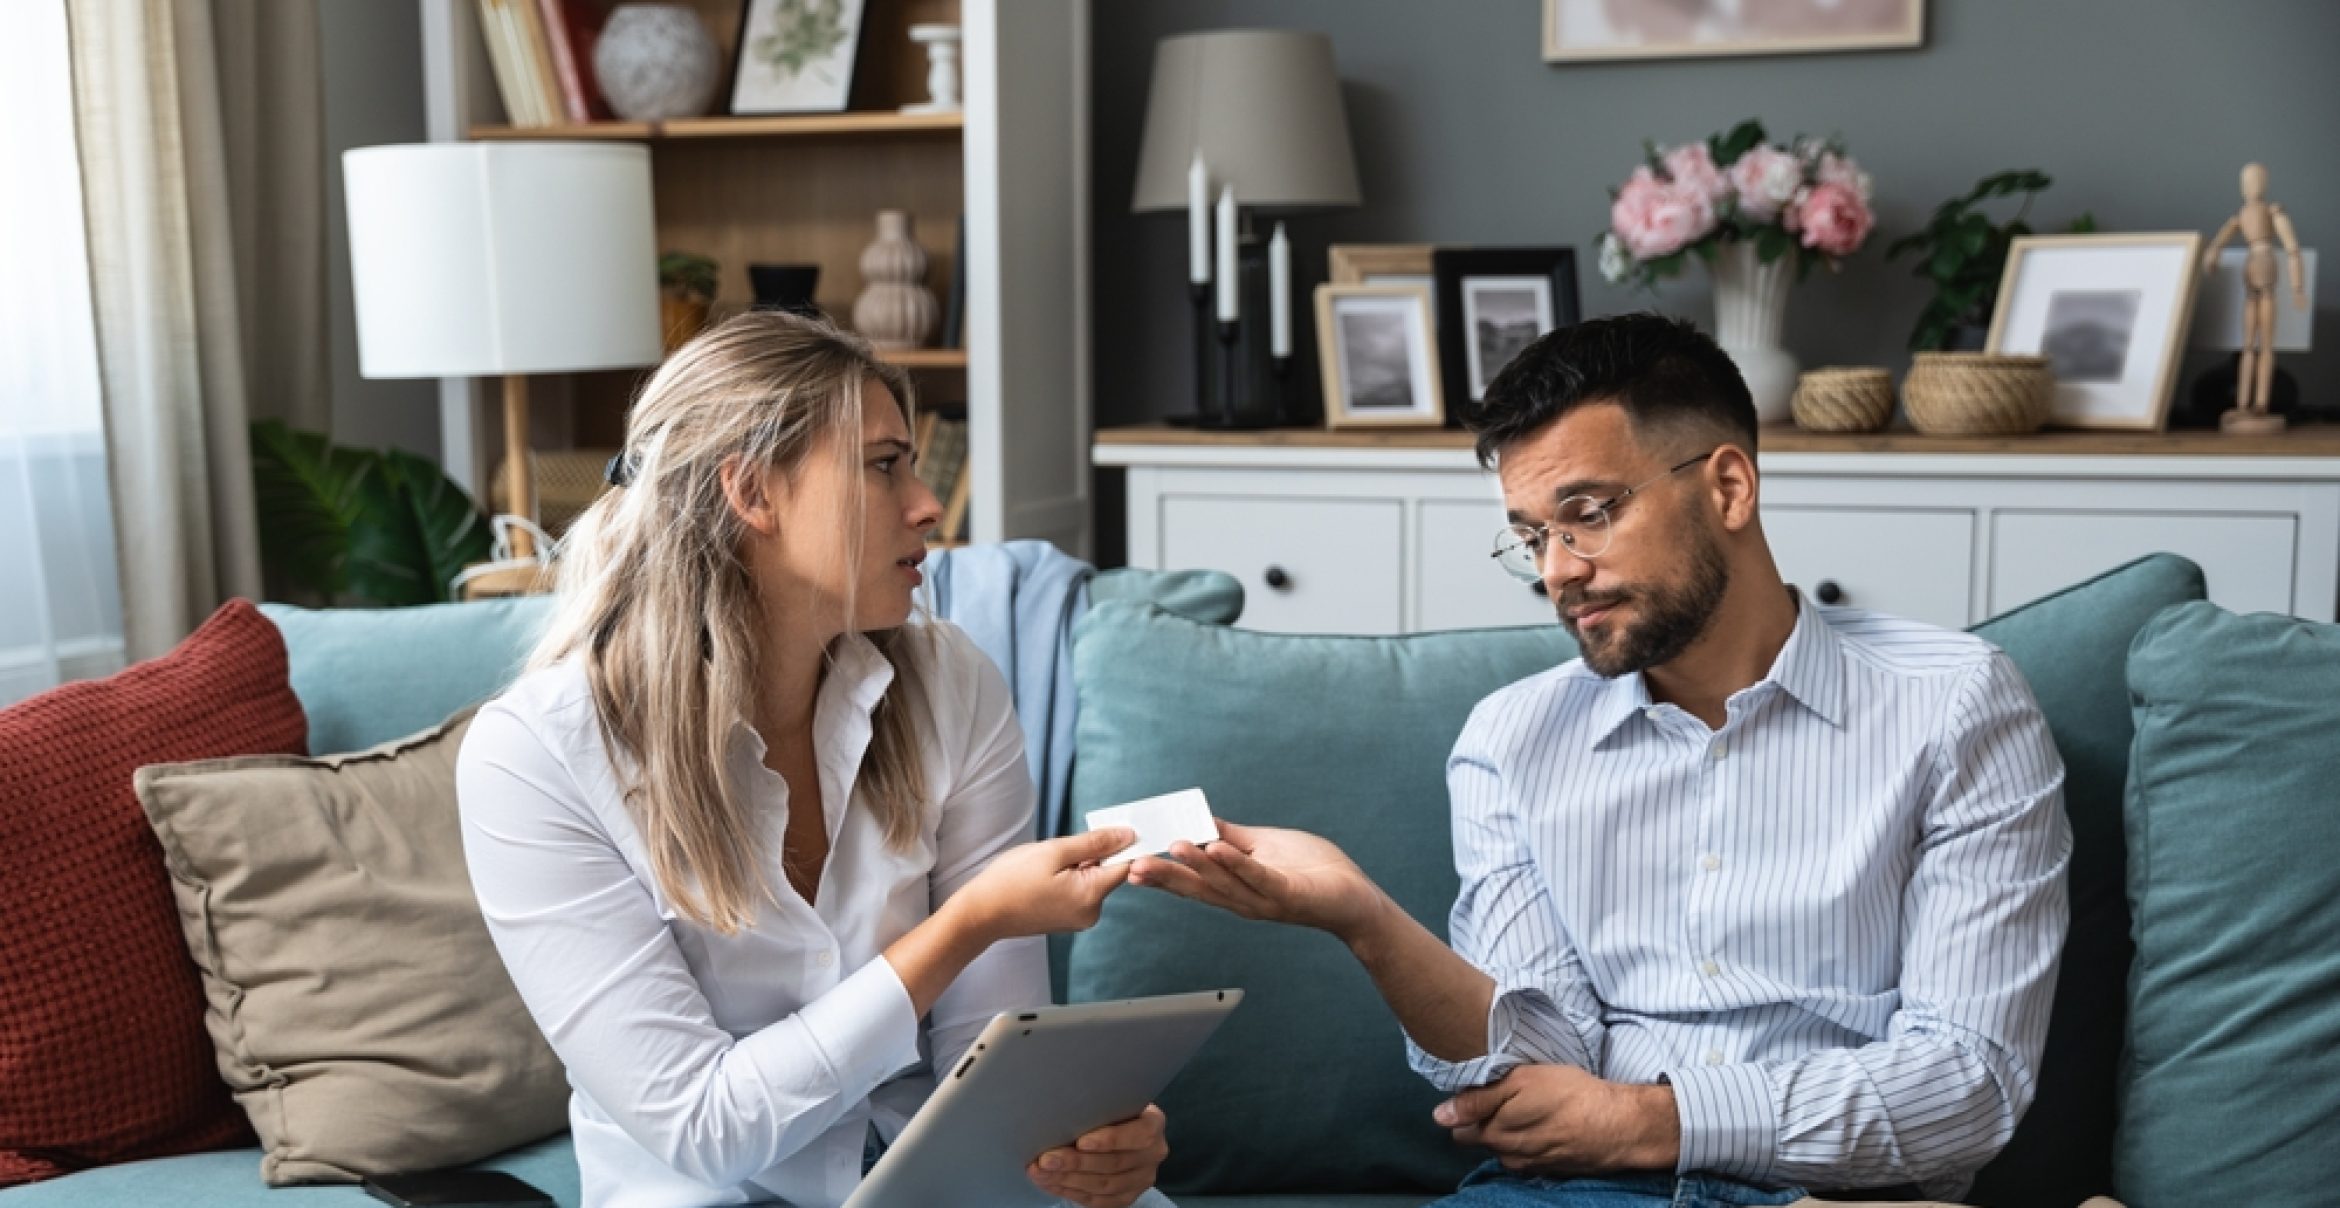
(359, 1011)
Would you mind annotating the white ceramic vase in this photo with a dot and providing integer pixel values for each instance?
(1750, 309)
(895, 310)
(656, 61)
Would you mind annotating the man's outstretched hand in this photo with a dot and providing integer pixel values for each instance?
(1280, 876)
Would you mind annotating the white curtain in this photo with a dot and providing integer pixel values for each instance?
(60, 609)
(201, 148)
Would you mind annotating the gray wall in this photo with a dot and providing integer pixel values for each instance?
(2142, 110)
(372, 54)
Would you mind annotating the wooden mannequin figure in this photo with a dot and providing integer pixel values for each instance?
(2261, 223)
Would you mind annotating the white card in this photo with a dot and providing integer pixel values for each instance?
(1159, 822)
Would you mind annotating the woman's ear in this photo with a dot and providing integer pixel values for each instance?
(749, 495)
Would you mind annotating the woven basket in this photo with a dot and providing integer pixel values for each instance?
(1978, 393)
(1843, 400)
(567, 481)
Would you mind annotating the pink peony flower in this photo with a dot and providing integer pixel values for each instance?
(1656, 218)
(1767, 179)
(1833, 219)
(1691, 166)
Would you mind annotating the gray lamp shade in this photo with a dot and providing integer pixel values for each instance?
(1262, 107)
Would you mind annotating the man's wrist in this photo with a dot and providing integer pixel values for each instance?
(1657, 1128)
(1367, 935)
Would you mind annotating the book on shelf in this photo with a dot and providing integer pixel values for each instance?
(570, 27)
(496, 32)
(942, 464)
(536, 47)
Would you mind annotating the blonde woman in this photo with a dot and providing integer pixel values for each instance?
(754, 842)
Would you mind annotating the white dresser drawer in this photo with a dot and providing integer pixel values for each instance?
(1915, 563)
(1457, 585)
(2250, 560)
(1307, 565)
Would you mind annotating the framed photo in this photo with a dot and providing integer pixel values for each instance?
(1380, 264)
(1380, 357)
(1493, 302)
(1582, 31)
(795, 56)
(2110, 312)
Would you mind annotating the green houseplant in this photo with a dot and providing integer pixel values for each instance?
(346, 525)
(686, 292)
(1963, 253)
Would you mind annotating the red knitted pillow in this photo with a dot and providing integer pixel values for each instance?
(103, 1053)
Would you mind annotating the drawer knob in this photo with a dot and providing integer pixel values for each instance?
(1539, 589)
(1276, 578)
(1828, 592)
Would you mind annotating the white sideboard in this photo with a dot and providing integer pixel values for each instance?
(1389, 533)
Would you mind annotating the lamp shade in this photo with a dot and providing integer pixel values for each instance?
(472, 259)
(1263, 110)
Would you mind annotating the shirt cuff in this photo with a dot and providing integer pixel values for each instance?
(865, 1029)
(1729, 1123)
(1502, 1030)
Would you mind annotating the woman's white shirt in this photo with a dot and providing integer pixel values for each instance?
(713, 1069)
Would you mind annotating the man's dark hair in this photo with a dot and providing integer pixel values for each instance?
(1666, 374)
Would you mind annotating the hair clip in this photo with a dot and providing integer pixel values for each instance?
(620, 470)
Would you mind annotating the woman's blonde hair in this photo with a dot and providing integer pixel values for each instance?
(655, 597)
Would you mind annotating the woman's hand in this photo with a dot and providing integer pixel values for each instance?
(1108, 1168)
(1043, 888)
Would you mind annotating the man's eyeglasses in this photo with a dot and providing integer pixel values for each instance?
(1582, 523)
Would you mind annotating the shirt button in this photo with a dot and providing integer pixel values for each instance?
(1710, 861)
(1709, 968)
(1721, 749)
(1714, 1057)
(825, 958)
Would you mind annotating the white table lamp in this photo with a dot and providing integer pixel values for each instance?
(482, 258)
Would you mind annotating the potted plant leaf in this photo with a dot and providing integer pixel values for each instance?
(1964, 254)
(686, 289)
(343, 525)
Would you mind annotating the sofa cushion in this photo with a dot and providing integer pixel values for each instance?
(1306, 1086)
(2073, 647)
(103, 1056)
(230, 1179)
(1211, 596)
(359, 1009)
(2231, 1087)
(369, 675)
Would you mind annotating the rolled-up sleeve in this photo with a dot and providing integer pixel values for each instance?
(589, 949)
(1544, 1010)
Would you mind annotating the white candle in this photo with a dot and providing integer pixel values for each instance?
(1198, 223)
(1227, 308)
(1280, 294)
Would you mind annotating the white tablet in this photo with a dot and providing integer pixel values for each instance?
(1033, 1081)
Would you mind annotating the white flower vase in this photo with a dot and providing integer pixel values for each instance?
(1750, 308)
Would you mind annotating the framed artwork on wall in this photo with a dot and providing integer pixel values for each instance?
(2110, 312)
(1379, 351)
(795, 56)
(1493, 302)
(1581, 31)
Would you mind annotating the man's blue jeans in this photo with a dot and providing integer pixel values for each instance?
(1491, 1186)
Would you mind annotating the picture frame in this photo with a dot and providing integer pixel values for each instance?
(1380, 264)
(2111, 312)
(795, 56)
(1492, 302)
(1598, 31)
(1378, 346)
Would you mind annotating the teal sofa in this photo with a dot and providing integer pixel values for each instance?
(2192, 1052)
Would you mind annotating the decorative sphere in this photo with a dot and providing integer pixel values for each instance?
(656, 61)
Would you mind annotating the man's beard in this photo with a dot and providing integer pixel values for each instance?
(1670, 617)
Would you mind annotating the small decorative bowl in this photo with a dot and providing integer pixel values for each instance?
(1843, 400)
